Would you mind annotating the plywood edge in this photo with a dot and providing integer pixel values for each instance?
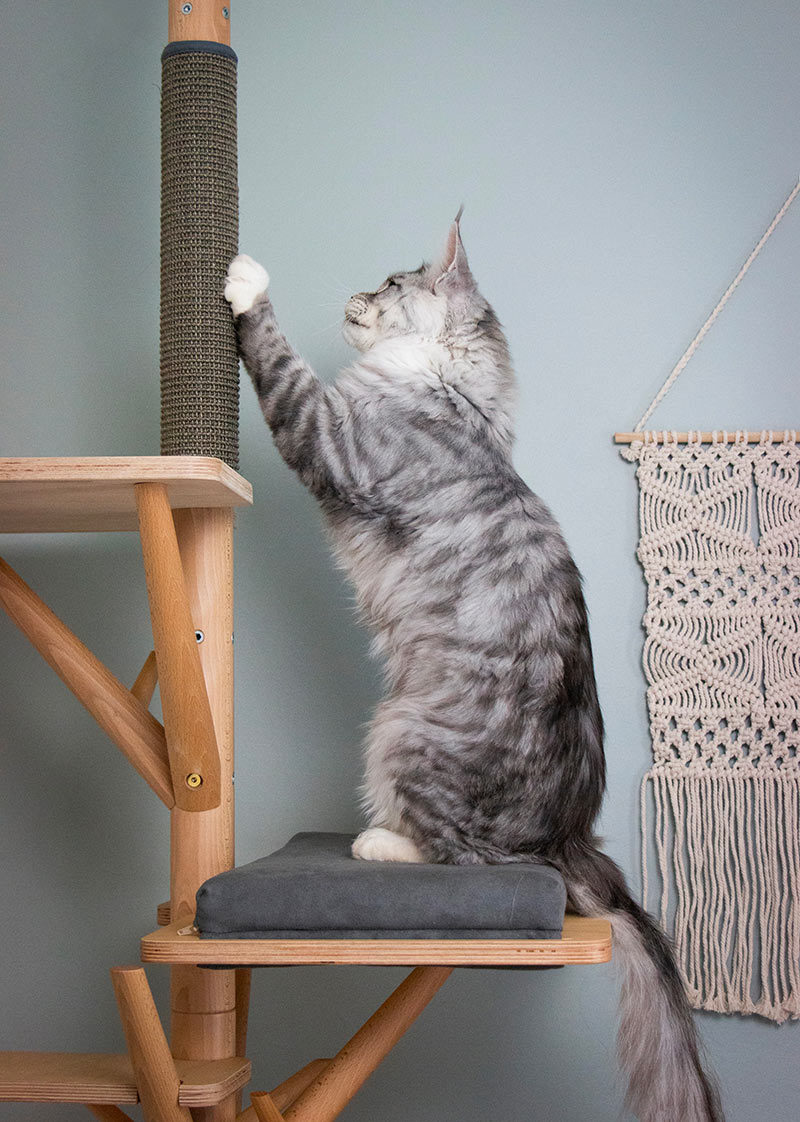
(584, 941)
(131, 469)
(107, 1078)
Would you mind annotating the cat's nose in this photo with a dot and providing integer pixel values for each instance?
(356, 307)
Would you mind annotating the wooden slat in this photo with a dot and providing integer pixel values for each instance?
(134, 730)
(583, 941)
(103, 1078)
(97, 492)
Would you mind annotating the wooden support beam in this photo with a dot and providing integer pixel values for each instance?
(147, 679)
(335, 1086)
(188, 723)
(156, 1077)
(135, 731)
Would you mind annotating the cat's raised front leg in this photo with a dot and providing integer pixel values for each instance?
(307, 418)
(379, 844)
(245, 282)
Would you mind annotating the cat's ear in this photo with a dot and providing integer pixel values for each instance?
(452, 272)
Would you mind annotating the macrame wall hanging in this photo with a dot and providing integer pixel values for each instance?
(720, 549)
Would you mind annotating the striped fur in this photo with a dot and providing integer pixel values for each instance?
(488, 744)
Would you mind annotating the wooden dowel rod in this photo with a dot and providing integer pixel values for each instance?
(265, 1108)
(135, 731)
(108, 1113)
(188, 723)
(147, 679)
(285, 1093)
(205, 20)
(156, 1078)
(330, 1092)
(657, 437)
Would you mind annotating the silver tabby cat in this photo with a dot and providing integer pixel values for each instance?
(488, 746)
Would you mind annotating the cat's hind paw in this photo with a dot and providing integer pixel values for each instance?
(379, 844)
(245, 282)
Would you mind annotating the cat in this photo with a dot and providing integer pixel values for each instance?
(488, 745)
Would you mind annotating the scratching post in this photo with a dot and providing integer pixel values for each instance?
(200, 417)
(199, 234)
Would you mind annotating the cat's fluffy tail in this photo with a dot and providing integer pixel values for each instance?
(658, 1045)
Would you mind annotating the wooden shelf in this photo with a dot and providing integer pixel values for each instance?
(97, 493)
(583, 941)
(103, 1078)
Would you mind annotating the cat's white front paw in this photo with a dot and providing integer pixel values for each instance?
(378, 844)
(245, 282)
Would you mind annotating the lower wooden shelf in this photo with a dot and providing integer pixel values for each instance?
(105, 1079)
(583, 941)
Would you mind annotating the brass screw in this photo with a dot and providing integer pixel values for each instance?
(194, 780)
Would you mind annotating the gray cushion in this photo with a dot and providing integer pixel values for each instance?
(314, 889)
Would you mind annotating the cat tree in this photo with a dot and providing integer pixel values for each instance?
(182, 504)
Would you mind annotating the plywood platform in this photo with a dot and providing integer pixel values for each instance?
(105, 1078)
(97, 492)
(583, 941)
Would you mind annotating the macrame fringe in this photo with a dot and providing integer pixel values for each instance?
(728, 859)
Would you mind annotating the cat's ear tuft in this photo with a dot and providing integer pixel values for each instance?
(453, 272)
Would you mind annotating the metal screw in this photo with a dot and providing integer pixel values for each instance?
(194, 780)
(186, 9)
(226, 13)
(199, 636)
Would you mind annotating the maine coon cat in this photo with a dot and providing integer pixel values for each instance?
(488, 746)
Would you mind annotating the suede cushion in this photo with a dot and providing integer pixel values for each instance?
(314, 889)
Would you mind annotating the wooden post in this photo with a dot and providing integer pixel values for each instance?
(156, 1078)
(205, 19)
(204, 1001)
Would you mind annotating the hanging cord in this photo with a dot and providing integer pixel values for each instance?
(701, 334)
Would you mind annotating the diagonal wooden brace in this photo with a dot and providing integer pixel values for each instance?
(146, 680)
(285, 1093)
(189, 725)
(335, 1086)
(156, 1078)
(134, 730)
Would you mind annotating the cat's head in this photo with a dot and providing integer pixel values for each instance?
(433, 302)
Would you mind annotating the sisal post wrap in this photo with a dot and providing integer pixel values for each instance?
(199, 236)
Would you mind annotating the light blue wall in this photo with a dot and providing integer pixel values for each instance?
(617, 162)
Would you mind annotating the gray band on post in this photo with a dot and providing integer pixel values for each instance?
(199, 236)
